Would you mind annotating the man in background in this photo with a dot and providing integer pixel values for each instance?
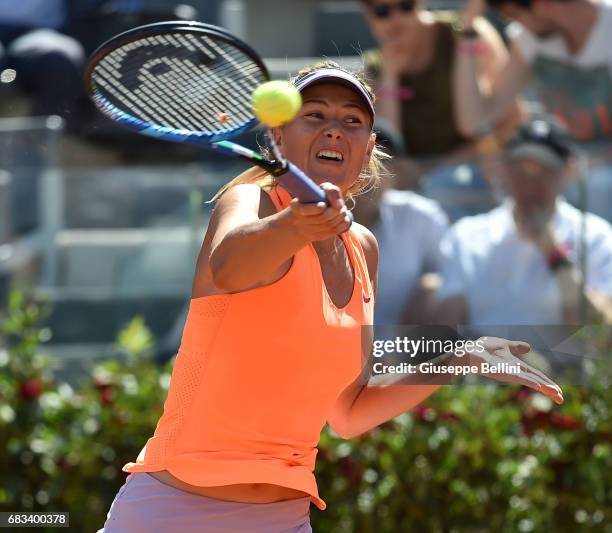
(565, 48)
(520, 264)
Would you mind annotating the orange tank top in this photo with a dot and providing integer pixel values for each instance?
(256, 376)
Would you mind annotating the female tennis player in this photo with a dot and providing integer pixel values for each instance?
(273, 346)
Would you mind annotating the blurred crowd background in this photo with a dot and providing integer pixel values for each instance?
(495, 211)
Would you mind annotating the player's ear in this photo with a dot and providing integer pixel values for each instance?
(369, 149)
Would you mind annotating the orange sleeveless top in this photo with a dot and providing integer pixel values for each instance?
(256, 375)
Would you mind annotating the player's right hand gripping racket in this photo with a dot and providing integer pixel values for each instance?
(189, 82)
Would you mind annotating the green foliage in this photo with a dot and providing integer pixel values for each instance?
(470, 459)
(479, 458)
(62, 449)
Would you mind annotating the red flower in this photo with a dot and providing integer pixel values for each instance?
(105, 388)
(447, 416)
(521, 395)
(420, 412)
(31, 389)
(350, 470)
(564, 421)
(106, 394)
(533, 419)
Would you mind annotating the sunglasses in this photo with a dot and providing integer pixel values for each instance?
(383, 11)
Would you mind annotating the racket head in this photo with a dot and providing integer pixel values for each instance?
(177, 80)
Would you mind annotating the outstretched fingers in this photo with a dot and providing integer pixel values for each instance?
(543, 379)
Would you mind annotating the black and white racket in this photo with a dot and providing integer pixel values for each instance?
(189, 82)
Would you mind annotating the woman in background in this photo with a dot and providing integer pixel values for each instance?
(413, 71)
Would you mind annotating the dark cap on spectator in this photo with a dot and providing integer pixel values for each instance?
(544, 140)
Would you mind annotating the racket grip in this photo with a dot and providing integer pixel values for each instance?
(302, 187)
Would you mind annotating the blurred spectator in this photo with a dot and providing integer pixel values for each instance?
(408, 228)
(565, 48)
(48, 63)
(413, 74)
(520, 264)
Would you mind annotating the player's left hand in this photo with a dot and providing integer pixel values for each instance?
(498, 351)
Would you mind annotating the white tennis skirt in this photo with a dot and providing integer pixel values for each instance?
(146, 505)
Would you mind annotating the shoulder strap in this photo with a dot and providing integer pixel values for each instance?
(358, 259)
(280, 197)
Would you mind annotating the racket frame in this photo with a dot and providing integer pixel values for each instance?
(160, 28)
(293, 178)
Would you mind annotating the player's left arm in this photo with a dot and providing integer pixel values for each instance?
(361, 407)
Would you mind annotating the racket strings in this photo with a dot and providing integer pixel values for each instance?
(182, 81)
(178, 90)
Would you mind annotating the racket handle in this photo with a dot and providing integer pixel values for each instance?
(302, 187)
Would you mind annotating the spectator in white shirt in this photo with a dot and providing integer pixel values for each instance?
(519, 264)
(562, 49)
(408, 228)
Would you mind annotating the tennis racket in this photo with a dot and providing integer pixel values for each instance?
(189, 82)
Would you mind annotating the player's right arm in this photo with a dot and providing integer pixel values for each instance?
(249, 244)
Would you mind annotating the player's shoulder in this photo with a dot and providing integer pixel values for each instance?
(365, 236)
(240, 193)
(244, 198)
(368, 243)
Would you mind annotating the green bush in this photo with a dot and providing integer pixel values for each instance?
(63, 449)
(474, 458)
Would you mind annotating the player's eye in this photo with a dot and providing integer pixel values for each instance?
(314, 114)
(353, 120)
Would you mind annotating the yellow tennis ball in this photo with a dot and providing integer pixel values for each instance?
(276, 102)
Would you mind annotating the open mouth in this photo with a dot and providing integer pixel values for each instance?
(330, 155)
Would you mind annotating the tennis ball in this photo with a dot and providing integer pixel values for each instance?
(276, 102)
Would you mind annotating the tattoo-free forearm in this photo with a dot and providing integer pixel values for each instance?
(378, 403)
(251, 252)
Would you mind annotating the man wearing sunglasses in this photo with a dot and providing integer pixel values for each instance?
(565, 48)
(520, 264)
(412, 70)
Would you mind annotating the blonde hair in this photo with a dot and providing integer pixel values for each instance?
(368, 178)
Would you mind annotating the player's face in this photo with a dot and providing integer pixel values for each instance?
(533, 186)
(391, 20)
(535, 20)
(331, 138)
